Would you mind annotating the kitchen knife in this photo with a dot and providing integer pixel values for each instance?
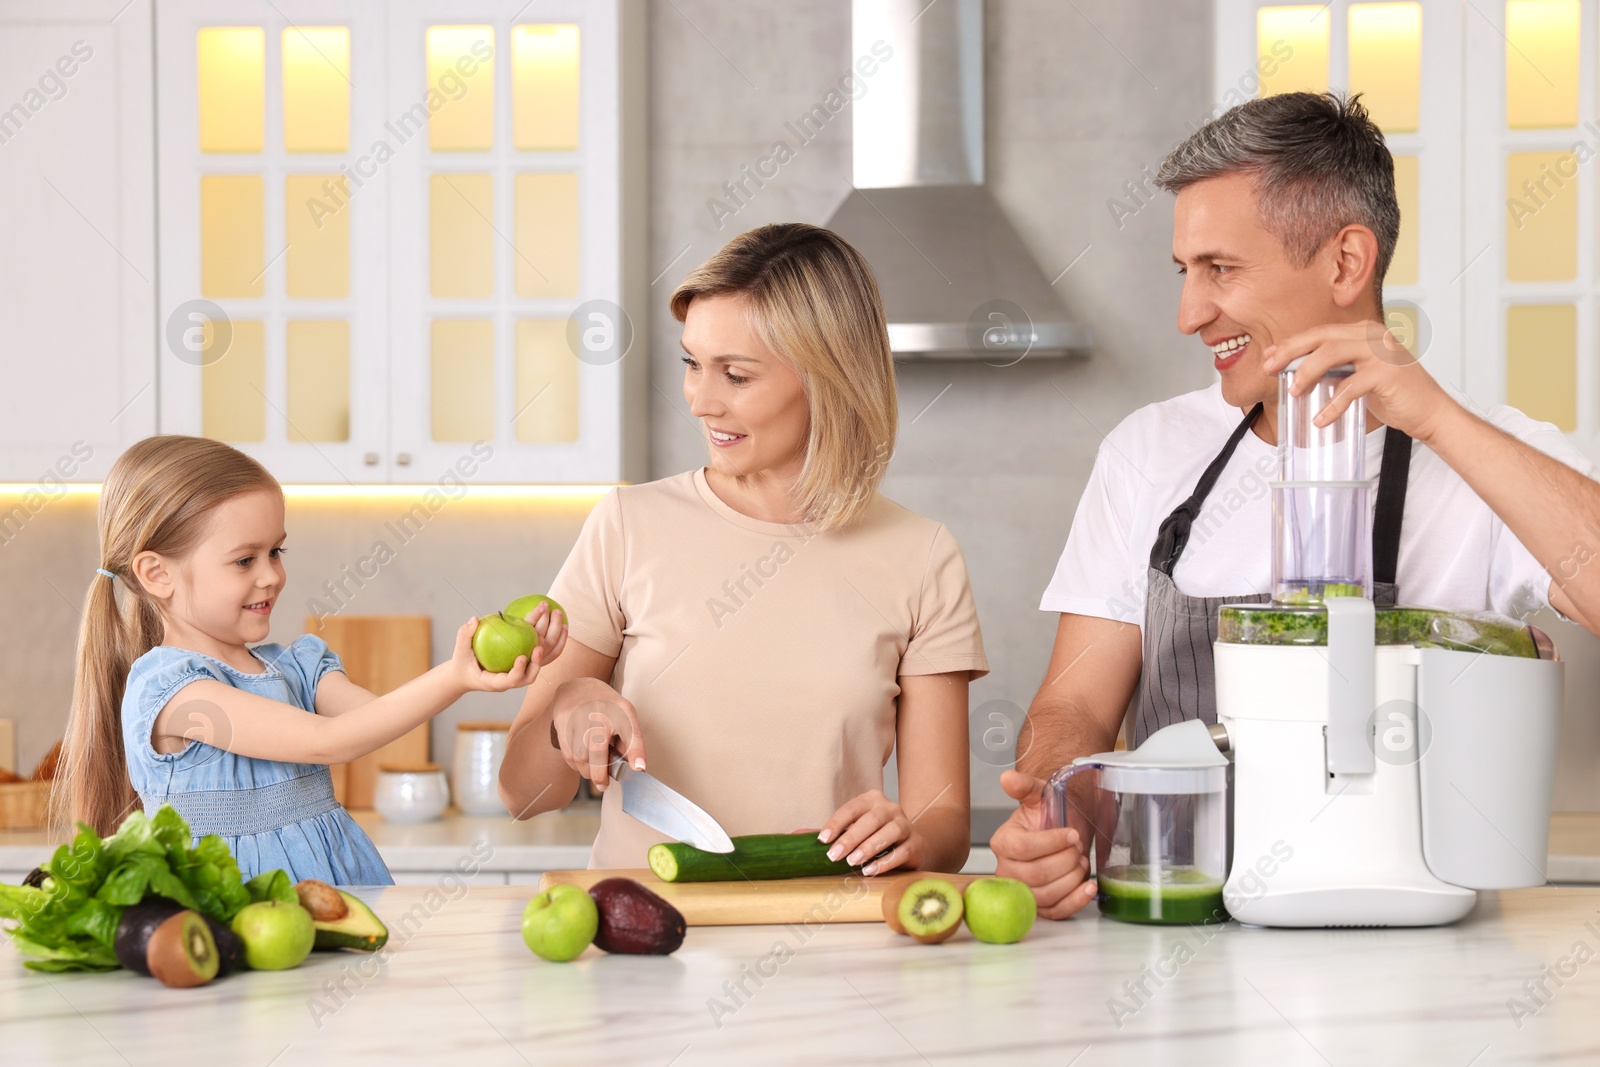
(660, 807)
(665, 810)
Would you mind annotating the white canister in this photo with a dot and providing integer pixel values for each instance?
(480, 749)
(410, 792)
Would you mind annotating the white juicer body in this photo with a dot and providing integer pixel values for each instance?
(1344, 849)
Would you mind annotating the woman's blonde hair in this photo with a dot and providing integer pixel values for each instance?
(813, 301)
(156, 499)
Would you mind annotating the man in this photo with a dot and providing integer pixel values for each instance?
(1285, 222)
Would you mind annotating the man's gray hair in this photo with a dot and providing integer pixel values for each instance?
(1319, 163)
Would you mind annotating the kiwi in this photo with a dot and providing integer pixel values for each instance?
(324, 902)
(891, 905)
(182, 953)
(928, 909)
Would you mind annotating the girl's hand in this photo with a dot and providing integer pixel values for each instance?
(552, 629)
(473, 678)
(866, 825)
(587, 715)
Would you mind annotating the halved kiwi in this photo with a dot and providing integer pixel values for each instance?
(928, 909)
(182, 953)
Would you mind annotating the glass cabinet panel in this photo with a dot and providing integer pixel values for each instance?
(316, 88)
(1300, 33)
(544, 81)
(318, 360)
(547, 382)
(1541, 216)
(1541, 63)
(1542, 362)
(1386, 63)
(461, 236)
(231, 88)
(547, 234)
(461, 72)
(316, 214)
(462, 380)
(233, 388)
(232, 235)
(1403, 267)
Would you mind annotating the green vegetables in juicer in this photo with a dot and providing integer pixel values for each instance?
(1277, 624)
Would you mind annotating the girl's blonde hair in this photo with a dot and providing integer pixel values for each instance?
(156, 499)
(813, 301)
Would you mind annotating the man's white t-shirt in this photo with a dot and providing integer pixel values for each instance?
(1455, 553)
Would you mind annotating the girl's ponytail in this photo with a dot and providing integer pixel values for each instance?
(155, 499)
(91, 783)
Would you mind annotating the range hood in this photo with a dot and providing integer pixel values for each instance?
(957, 281)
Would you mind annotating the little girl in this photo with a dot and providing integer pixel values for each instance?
(172, 705)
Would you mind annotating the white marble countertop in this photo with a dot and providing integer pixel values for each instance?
(458, 986)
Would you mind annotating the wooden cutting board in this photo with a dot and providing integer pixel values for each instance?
(832, 898)
(380, 653)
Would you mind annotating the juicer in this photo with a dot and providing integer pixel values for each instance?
(1386, 762)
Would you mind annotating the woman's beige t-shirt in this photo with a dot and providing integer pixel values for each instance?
(762, 658)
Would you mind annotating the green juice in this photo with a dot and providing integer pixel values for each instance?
(1183, 895)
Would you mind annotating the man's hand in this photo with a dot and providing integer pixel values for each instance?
(1399, 391)
(1049, 861)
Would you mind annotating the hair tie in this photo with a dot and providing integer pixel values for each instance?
(105, 572)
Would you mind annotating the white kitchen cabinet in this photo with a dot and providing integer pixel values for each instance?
(392, 210)
(1406, 60)
(77, 282)
(1491, 113)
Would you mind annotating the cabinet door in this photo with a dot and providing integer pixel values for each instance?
(1405, 60)
(273, 250)
(1532, 135)
(507, 230)
(77, 296)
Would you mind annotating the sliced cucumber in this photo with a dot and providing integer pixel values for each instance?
(757, 856)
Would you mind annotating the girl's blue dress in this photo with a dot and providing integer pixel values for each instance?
(272, 814)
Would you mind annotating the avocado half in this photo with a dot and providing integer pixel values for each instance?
(359, 929)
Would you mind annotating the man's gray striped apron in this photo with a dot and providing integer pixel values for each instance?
(1179, 680)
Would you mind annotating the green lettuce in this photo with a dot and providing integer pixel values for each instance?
(69, 922)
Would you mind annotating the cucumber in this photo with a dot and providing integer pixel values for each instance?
(757, 856)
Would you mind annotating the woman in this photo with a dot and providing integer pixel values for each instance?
(768, 628)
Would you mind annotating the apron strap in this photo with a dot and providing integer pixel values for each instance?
(1392, 478)
(1173, 537)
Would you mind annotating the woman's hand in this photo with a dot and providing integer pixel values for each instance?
(587, 714)
(866, 825)
(471, 676)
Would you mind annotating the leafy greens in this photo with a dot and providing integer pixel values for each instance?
(69, 923)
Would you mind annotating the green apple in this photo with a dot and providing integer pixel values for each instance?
(277, 935)
(523, 606)
(500, 639)
(559, 923)
(999, 910)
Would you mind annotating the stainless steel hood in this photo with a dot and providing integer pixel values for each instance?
(957, 281)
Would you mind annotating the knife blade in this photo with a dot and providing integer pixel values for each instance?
(666, 810)
(661, 807)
